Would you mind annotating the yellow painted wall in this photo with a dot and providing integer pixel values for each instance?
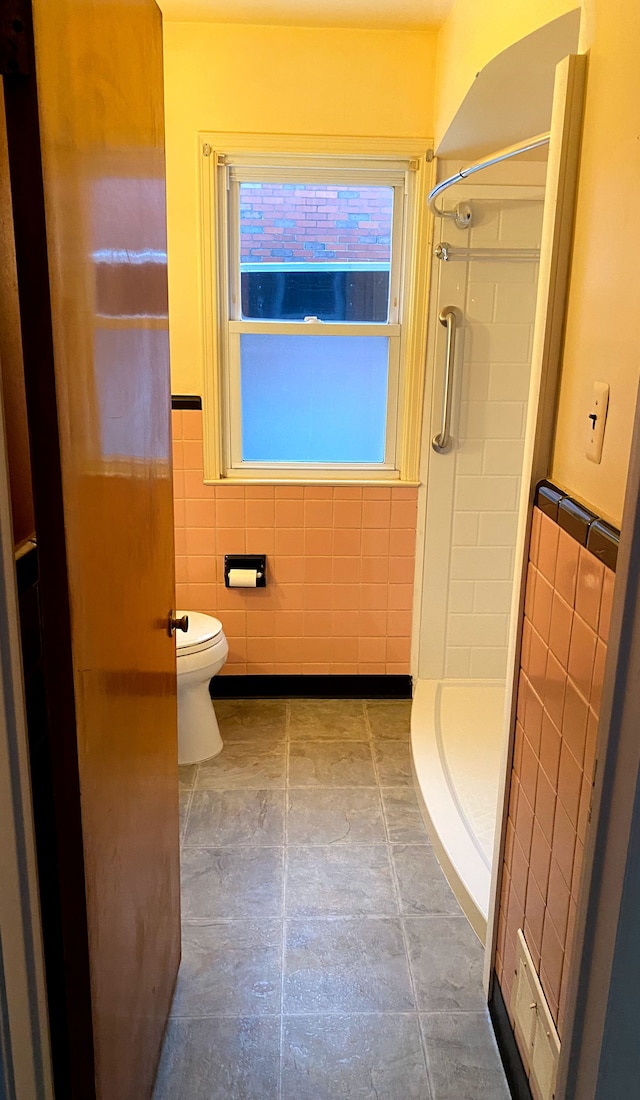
(602, 341)
(603, 334)
(381, 83)
(274, 80)
(473, 34)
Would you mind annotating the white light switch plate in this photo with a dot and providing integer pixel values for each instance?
(597, 421)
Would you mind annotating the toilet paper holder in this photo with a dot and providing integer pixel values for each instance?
(246, 561)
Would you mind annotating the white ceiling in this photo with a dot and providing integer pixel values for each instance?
(380, 14)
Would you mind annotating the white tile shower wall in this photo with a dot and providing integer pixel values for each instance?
(499, 310)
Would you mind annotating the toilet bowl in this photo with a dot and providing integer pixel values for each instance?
(200, 653)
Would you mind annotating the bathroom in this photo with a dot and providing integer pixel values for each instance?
(370, 581)
(415, 690)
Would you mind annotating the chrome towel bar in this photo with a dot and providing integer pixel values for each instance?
(447, 252)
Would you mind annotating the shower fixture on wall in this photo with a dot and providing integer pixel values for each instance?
(462, 213)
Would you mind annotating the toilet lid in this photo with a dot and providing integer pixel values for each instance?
(203, 631)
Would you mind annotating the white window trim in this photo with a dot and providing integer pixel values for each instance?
(407, 344)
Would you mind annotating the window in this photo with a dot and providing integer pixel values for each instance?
(307, 278)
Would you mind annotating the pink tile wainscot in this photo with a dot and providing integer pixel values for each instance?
(340, 568)
(565, 632)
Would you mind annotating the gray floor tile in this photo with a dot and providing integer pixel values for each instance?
(222, 818)
(353, 1058)
(330, 764)
(230, 968)
(344, 880)
(403, 816)
(349, 816)
(446, 961)
(463, 1057)
(393, 762)
(252, 719)
(226, 883)
(220, 1059)
(423, 888)
(184, 799)
(315, 719)
(186, 776)
(390, 719)
(346, 965)
(351, 1029)
(247, 764)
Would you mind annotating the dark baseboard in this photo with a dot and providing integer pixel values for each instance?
(311, 687)
(186, 401)
(509, 1053)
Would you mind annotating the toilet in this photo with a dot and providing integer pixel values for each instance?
(201, 652)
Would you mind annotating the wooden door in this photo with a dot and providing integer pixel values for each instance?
(84, 111)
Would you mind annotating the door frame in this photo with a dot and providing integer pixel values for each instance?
(25, 1057)
(600, 1056)
(553, 282)
(69, 882)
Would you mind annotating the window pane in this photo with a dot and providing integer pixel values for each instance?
(315, 251)
(313, 398)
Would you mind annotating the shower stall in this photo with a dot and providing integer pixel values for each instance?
(482, 309)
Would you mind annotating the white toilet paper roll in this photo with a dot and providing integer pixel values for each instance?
(243, 578)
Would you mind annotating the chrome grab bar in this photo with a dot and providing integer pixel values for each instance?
(448, 317)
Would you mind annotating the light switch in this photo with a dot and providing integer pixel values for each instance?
(597, 421)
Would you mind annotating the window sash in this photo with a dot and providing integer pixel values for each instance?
(352, 175)
(346, 179)
(233, 443)
(316, 328)
(270, 168)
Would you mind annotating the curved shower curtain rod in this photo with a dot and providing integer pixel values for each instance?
(462, 213)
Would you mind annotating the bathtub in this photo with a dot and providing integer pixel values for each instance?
(456, 747)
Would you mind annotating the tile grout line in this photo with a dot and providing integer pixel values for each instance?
(337, 1015)
(367, 723)
(336, 844)
(180, 850)
(312, 1015)
(183, 832)
(285, 864)
(286, 846)
(333, 917)
(423, 1043)
(311, 786)
(405, 941)
(378, 783)
(377, 776)
(398, 894)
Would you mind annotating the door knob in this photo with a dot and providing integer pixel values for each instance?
(177, 624)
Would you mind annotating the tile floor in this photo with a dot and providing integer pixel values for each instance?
(324, 955)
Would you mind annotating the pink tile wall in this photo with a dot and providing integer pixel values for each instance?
(340, 568)
(564, 645)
